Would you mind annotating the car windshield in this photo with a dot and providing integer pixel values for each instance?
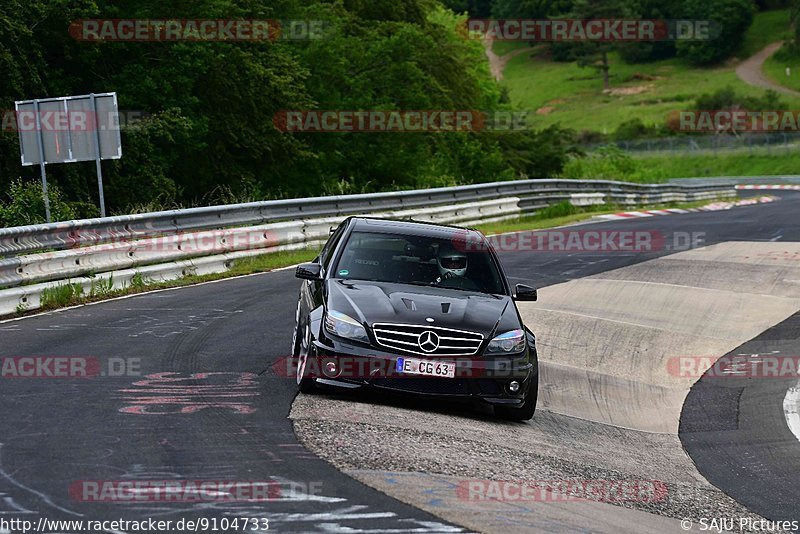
(419, 260)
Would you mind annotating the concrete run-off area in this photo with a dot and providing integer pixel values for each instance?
(612, 345)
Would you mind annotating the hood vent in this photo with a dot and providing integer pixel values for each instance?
(410, 304)
(445, 307)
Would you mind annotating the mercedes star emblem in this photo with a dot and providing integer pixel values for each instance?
(428, 341)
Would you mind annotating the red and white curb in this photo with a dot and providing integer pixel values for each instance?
(716, 206)
(792, 187)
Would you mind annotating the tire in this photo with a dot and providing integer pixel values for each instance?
(528, 408)
(300, 351)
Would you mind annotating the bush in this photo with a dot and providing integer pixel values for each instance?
(728, 99)
(607, 163)
(632, 129)
(538, 154)
(590, 137)
(153, 149)
(563, 52)
(732, 18)
(769, 5)
(790, 51)
(475, 8)
(82, 209)
(642, 52)
(24, 205)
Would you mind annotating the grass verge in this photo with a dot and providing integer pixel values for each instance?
(664, 167)
(775, 69)
(61, 295)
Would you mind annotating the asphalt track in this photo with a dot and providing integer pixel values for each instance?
(735, 430)
(222, 414)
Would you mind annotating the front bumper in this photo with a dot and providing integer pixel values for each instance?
(478, 378)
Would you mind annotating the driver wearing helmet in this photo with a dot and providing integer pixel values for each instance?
(452, 264)
(453, 269)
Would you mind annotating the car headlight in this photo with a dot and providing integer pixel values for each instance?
(342, 325)
(512, 341)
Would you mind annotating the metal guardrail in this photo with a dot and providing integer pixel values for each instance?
(126, 253)
(208, 239)
(70, 234)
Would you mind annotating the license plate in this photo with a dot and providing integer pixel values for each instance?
(411, 366)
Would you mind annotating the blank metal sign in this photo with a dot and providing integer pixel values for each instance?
(68, 127)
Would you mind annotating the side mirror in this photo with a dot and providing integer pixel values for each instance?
(525, 293)
(308, 271)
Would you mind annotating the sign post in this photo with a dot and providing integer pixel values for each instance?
(67, 130)
(42, 163)
(97, 159)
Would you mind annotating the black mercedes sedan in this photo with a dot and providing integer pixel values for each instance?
(415, 308)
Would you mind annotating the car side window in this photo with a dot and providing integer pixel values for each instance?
(327, 251)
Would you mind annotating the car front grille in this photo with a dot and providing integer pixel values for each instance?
(417, 339)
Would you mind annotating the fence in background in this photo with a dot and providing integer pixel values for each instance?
(704, 144)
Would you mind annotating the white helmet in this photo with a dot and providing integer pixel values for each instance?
(452, 263)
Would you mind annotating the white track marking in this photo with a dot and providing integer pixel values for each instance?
(791, 402)
(42, 496)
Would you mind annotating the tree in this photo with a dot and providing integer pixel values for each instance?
(794, 18)
(731, 17)
(23, 204)
(529, 9)
(474, 8)
(541, 154)
(642, 51)
(209, 134)
(595, 53)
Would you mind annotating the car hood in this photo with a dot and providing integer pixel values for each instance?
(383, 302)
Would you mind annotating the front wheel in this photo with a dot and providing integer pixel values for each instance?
(528, 408)
(302, 349)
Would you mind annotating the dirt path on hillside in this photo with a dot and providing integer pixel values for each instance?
(497, 64)
(750, 71)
